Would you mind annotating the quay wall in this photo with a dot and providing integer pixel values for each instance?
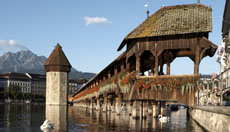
(212, 118)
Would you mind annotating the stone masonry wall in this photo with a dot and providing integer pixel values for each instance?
(212, 118)
(56, 88)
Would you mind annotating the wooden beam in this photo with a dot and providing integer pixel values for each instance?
(202, 53)
(156, 66)
(137, 64)
(197, 59)
(168, 68)
(168, 63)
(128, 67)
(109, 74)
(161, 64)
(104, 77)
(122, 66)
(184, 53)
(115, 69)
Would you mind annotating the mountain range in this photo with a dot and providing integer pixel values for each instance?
(28, 62)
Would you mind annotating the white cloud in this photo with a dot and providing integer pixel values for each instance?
(96, 20)
(11, 45)
(12, 42)
(3, 42)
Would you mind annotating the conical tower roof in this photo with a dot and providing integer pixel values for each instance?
(57, 61)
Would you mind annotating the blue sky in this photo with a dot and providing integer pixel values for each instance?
(38, 25)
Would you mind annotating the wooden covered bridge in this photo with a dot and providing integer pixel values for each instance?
(171, 32)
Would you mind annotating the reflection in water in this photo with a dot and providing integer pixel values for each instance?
(108, 121)
(58, 116)
(21, 117)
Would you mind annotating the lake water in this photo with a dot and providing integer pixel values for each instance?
(28, 118)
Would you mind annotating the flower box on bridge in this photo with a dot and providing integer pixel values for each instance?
(180, 88)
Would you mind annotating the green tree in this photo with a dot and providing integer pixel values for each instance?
(23, 95)
(7, 92)
(28, 96)
(14, 90)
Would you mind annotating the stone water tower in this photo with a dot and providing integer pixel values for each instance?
(57, 68)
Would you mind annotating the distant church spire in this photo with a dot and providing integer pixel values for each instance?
(146, 5)
(147, 13)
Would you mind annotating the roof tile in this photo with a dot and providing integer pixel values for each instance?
(172, 20)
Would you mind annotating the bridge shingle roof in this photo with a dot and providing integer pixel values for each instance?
(173, 20)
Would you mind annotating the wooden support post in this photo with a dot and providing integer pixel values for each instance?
(115, 69)
(114, 105)
(91, 104)
(168, 63)
(105, 104)
(163, 108)
(136, 109)
(152, 69)
(161, 69)
(156, 65)
(109, 74)
(197, 60)
(155, 109)
(168, 68)
(98, 104)
(161, 65)
(150, 108)
(127, 103)
(118, 104)
(122, 66)
(145, 109)
(108, 105)
(128, 67)
(137, 64)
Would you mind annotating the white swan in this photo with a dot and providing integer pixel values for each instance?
(163, 119)
(47, 125)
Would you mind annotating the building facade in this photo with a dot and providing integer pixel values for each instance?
(38, 84)
(29, 83)
(75, 85)
(18, 79)
(225, 58)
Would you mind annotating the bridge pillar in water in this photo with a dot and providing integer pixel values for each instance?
(155, 109)
(94, 103)
(91, 104)
(150, 108)
(144, 109)
(57, 68)
(105, 104)
(136, 109)
(113, 106)
(118, 104)
(98, 104)
(163, 108)
(128, 107)
(109, 104)
(84, 104)
(57, 115)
